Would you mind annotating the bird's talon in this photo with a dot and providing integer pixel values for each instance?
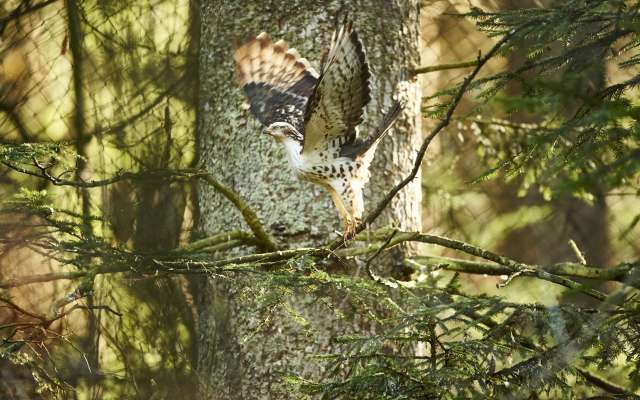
(349, 230)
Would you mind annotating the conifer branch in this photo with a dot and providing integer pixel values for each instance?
(594, 380)
(500, 265)
(562, 355)
(264, 240)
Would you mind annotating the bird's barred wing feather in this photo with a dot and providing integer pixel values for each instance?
(337, 104)
(275, 79)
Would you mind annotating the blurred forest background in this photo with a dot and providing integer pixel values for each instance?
(541, 167)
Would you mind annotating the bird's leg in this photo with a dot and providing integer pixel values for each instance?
(350, 225)
(347, 220)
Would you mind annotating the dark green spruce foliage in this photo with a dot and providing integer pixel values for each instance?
(576, 83)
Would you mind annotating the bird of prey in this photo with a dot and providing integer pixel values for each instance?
(316, 116)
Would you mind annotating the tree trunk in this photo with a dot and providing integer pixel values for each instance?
(239, 356)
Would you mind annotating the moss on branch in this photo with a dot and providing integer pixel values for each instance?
(575, 270)
(178, 261)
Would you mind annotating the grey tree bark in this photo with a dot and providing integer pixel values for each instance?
(239, 357)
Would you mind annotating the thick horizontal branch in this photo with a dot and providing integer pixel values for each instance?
(281, 255)
(499, 265)
(574, 270)
(176, 266)
(515, 268)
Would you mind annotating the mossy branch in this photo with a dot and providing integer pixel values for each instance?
(250, 216)
(499, 265)
(515, 267)
(148, 264)
(217, 239)
(575, 270)
(263, 239)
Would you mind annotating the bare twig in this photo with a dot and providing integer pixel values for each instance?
(514, 275)
(100, 307)
(376, 254)
(577, 252)
(21, 11)
(444, 67)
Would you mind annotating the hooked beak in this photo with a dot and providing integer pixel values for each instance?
(266, 131)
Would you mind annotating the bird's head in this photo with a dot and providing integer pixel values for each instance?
(282, 131)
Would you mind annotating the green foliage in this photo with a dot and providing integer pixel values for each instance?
(31, 201)
(583, 136)
(48, 154)
(436, 342)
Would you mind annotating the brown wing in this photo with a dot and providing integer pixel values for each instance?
(275, 79)
(337, 103)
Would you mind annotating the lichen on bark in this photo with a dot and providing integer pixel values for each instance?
(238, 356)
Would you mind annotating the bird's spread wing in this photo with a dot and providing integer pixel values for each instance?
(341, 93)
(277, 81)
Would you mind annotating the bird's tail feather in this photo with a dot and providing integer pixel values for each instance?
(362, 149)
(387, 121)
